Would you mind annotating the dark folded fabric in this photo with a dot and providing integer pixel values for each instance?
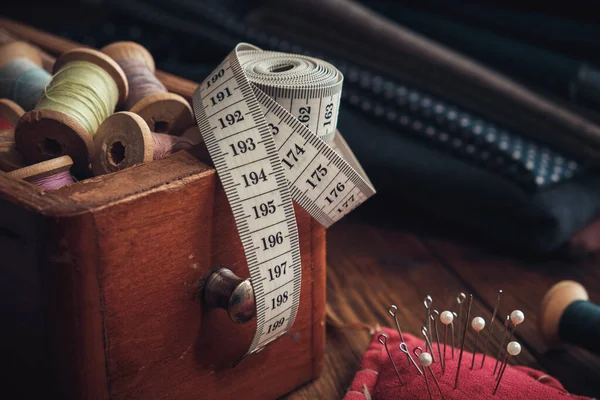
(570, 78)
(430, 127)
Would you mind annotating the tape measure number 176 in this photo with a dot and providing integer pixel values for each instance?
(265, 117)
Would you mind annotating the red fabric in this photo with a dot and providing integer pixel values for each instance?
(4, 124)
(377, 379)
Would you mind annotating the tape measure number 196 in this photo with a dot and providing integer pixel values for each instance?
(263, 116)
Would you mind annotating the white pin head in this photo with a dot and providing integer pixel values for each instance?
(478, 324)
(513, 348)
(446, 317)
(517, 317)
(425, 359)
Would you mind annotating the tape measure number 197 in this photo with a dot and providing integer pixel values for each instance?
(263, 116)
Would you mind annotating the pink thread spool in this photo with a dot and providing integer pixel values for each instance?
(49, 175)
(124, 139)
(10, 158)
(164, 112)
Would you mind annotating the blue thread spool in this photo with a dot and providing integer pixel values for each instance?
(567, 316)
(22, 78)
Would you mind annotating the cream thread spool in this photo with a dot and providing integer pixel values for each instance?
(124, 139)
(22, 78)
(10, 159)
(47, 59)
(42, 134)
(49, 175)
(164, 112)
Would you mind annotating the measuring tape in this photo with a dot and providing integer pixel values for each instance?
(264, 117)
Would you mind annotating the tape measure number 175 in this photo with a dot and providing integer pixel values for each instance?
(264, 117)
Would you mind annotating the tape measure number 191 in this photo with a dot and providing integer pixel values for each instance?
(263, 116)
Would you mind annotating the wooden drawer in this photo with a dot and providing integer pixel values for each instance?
(100, 283)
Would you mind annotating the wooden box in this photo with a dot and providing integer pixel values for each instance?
(100, 280)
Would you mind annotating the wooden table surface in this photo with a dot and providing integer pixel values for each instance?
(373, 264)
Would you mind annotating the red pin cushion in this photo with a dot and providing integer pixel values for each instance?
(377, 380)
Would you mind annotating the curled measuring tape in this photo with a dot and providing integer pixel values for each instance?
(264, 117)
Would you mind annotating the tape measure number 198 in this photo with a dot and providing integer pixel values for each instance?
(262, 115)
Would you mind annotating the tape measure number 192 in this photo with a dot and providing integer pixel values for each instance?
(263, 116)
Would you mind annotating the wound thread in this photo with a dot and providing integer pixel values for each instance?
(53, 182)
(142, 81)
(23, 82)
(169, 144)
(84, 91)
(580, 325)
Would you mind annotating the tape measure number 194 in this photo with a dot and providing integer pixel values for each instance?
(263, 116)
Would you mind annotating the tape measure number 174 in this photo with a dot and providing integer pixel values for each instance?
(265, 117)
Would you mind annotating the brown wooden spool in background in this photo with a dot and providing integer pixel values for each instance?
(44, 134)
(47, 59)
(10, 159)
(163, 112)
(13, 50)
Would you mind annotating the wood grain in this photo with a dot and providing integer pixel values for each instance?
(121, 258)
(370, 268)
(525, 281)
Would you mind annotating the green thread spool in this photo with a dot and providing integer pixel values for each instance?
(85, 89)
(164, 112)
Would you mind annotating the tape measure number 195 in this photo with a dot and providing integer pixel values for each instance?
(263, 116)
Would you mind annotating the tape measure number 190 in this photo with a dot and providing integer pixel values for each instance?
(263, 116)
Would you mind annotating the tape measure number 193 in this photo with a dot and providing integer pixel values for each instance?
(263, 116)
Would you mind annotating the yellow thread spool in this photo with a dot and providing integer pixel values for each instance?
(163, 112)
(42, 134)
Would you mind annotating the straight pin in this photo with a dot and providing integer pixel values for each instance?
(382, 338)
(404, 348)
(462, 346)
(447, 318)
(516, 318)
(513, 349)
(393, 310)
(460, 299)
(487, 343)
(427, 342)
(427, 303)
(425, 360)
(435, 318)
(506, 322)
(478, 324)
(452, 326)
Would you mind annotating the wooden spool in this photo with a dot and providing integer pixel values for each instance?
(554, 303)
(119, 259)
(163, 112)
(12, 50)
(10, 159)
(45, 134)
(122, 140)
(43, 169)
(47, 59)
(10, 111)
